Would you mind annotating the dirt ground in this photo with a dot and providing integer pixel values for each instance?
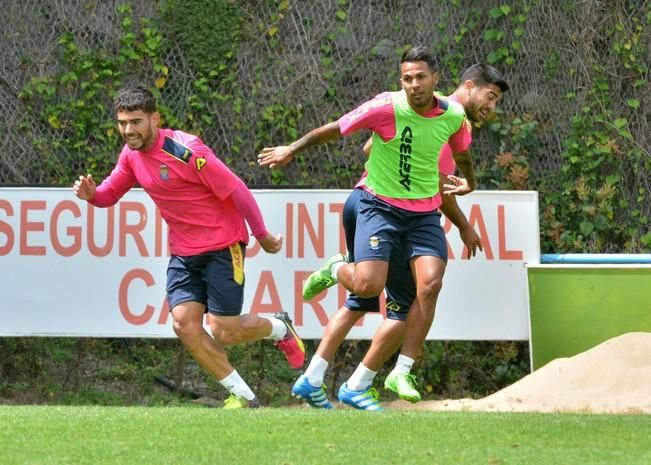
(613, 377)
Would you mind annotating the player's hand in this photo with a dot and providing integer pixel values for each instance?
(271, 243)
(457, 186)
(274, 157)
(85, 187)
(471, 240)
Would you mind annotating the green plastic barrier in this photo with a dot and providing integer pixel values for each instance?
(573, 308)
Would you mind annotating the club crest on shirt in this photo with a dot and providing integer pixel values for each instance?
(200, 162)
(374, 242)
(176, 149)
(164, 173)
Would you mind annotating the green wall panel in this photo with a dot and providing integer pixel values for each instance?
(574, 308)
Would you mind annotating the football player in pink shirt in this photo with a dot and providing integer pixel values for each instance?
(398, 196)
(481, 88)
(206, 207)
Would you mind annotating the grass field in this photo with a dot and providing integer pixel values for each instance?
(295, 436)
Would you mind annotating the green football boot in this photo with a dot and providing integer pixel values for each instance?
(321, 279)
(234, 402)
(404, 385)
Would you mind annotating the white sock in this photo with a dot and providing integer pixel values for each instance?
(334, 268)
(278, 328)
(403, 365)
(236, 385)
(316, 370)
(361, 378)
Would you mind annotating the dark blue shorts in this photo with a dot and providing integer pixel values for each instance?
(376, 230)
(215, 279)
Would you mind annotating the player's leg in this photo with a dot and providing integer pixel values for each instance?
(377, 238)
(365, 278)
(386, 341)
(358, 390)
(377, 232)
(336, 331)
(279, 328)
(188, 326)
(224, 280)
(428, 272)
(428, 267)
(401, 294)
(419, 321)
(187, 299)
(310, 386)
(401, 291)
(355, 307)
(374, 237)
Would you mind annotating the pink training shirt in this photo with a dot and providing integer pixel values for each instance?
(447, 166)
(378, 115)
(191, 187)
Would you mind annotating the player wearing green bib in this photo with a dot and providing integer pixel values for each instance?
(399, 201)
(417, 143)
(481, 88)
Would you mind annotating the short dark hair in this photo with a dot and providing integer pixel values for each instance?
(135, 98)
(418, 54)
(482, 74)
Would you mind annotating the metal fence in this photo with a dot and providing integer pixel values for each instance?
(328, 56)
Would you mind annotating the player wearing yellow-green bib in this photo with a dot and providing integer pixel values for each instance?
(406, 167)
(398, 202)
(479, 91)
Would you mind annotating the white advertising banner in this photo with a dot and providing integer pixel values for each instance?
(70, 269)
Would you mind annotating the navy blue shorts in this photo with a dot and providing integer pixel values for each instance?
(215, 279)
(376, 230)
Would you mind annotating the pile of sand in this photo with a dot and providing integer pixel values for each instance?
(613, 377)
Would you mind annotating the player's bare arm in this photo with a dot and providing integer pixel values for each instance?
(463, 161)
(450, 208)
(456, 186)
(471, 240)
(367, 146)
(84, 187)
(275, 157)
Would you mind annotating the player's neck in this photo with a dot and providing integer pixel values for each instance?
(424, 110)
(151, 142)
(460, 96)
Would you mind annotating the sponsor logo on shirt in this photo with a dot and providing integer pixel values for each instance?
(404, 167)
(176, 149)
(393, 306)
(374, 242)
(237, 261)
(164, 173)
(200, 162)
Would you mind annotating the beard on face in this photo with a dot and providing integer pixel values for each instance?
(134, 143)
(472, 112)
(139, 141)
(421, 100)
